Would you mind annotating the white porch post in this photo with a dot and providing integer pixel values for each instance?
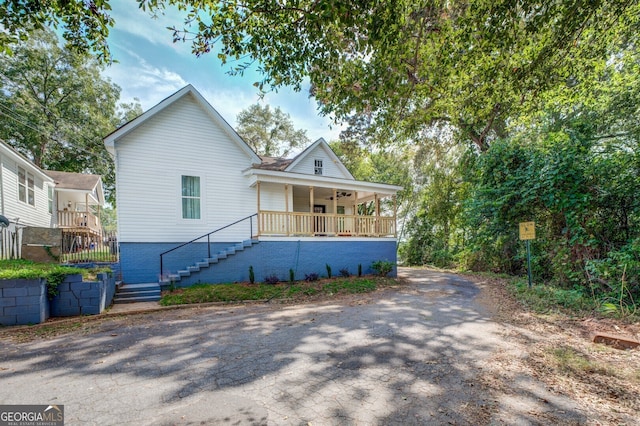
(258, 202)
(312, 215)
(377, 207)
(355, 213)
(335, 211)
(286, 209)
(395, 216)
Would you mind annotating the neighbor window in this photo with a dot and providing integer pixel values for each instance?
(190, 197)
(26, 187)
(317, 167)
(50, 198)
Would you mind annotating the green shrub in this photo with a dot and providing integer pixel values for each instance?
(252, 275)
(382, 267)
(292, 276)
(328, 270)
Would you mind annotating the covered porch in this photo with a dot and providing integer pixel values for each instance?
(77, 202)
(322, 209)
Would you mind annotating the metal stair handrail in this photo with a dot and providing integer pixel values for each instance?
(208, 235)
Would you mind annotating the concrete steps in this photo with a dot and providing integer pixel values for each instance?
(132, 293)
(190, 270)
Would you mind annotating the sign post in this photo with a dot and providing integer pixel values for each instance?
(528, 233)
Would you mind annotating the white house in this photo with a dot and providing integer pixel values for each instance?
(196, 204)
(26, 192)
(30, 196)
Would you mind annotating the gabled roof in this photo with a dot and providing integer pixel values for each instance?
(76, 181)
(273, 163)
(320, 143)
(188, 90)
(79, 182)
(24, 161)
(286, 165)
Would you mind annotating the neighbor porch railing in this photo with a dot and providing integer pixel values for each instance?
(317, 224)
(73, 219)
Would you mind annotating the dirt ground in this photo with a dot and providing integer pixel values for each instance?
(559, 351)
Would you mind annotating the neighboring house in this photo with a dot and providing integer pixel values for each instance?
(26, 192)
(78, 200)
(183, 172)
(30, 196)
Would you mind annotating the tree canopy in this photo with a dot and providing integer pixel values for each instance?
(55, 107)
(407, 64)
(269, 132)
(84, 23)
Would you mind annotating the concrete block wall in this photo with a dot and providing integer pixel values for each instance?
(23, 301)
(77, 297)
(26, 302)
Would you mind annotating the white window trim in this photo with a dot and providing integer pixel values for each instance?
(27, 174)
(318, 165)
(51, 200)
(203, 186)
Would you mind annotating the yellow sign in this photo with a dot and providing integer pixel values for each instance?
(527, 230)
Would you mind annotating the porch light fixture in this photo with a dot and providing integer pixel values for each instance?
(341, 194)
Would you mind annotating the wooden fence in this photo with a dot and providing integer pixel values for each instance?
(10, 242)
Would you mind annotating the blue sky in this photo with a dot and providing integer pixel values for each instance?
(152, 67)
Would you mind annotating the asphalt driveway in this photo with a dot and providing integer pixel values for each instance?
(417, 354)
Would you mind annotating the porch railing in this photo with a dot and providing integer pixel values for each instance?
(312, 224)
(73, 219)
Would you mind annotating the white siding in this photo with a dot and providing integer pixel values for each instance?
(272, 197)
(180, 140)
(36, 215)
(307, 164)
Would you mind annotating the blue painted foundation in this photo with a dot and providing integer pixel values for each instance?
(140, 262)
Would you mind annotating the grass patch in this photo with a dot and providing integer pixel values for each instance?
(26, 269)
(568, 360)
(96, 255)
(299, 290)
(545, 298)
(52, 272)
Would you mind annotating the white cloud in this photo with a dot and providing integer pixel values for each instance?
(130, 19)
(144, 81)
(152, 67)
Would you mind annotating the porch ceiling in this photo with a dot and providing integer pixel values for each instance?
(323, 185)
(345, 195)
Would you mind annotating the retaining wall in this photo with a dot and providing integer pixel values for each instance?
(77, 297)
(23, 301)
(26, 302)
